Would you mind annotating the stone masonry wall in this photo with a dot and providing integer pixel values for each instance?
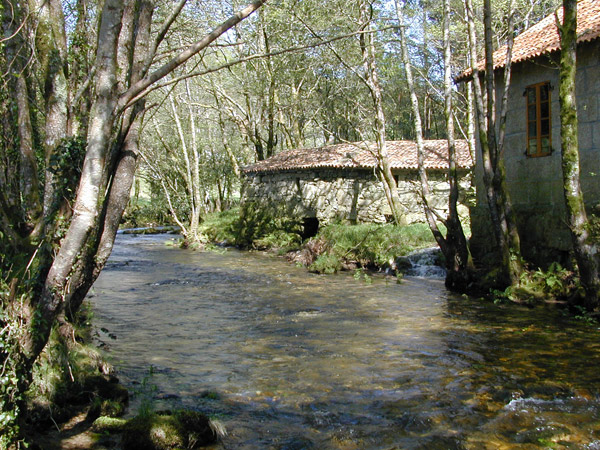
(353, 195)
(535, 184)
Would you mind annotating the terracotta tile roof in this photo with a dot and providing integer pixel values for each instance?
(543, 37)
(402, 155)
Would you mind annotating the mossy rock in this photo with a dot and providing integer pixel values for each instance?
(106, 408)
(109, 424)
(162, 431)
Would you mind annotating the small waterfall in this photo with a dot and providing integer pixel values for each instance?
(425, 263)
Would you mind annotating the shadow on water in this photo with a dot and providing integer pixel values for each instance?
(291, 360)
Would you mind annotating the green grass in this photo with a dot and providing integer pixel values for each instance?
(372, 245)
(251, 227)
(219, 226)
(367, 245)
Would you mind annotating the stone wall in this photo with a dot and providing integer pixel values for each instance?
(535, 184)
(352, 195)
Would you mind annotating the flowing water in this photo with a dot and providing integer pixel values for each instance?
(289, 360)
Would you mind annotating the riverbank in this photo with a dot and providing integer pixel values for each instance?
(73, 384)
(334, 247)
(385, 248)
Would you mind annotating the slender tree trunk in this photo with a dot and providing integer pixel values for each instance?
(430, 215)
(457, 252)
(372, 81)
(197, 195)
(454, 244)
(189, 168)
(224, 135)
(51, 46)
(471, 122)
(586, 254)
(17, 54)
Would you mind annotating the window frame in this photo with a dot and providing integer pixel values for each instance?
(539, 137)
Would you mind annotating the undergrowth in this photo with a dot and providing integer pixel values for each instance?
(11, 397)
(336, 245)
(557, 283)
(252, 227)
(368, 245)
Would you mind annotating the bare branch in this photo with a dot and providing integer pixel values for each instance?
(235, 62)
(144, 83)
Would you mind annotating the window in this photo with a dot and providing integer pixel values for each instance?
(539, 141)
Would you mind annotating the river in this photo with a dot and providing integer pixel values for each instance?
(288, 360)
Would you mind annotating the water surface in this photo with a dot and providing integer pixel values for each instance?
(290, 360)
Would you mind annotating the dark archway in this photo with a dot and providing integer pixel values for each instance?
(310, 227)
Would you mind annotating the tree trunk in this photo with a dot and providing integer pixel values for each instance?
(457, 252)
(501, 213)
(425, 189)
(108, 167)
(454, 244)
(372, 81)
(586, 254)
(51, 46)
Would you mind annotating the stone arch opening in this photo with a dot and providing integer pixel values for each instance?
(310, 227)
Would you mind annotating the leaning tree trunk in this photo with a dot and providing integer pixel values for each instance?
(372, 81)
(430, 214)
(586, 254)
(457, 252)
(105, 180)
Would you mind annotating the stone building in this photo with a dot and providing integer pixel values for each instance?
(532, 153)
(338, 182)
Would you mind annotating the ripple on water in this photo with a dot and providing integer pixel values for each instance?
(287, 359)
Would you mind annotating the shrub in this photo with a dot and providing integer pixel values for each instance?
(219, 226)
(146, 213)
(372, 244)
(252, 227)
(556, 282)
(326, 263)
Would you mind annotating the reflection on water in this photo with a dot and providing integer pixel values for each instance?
(291, 360)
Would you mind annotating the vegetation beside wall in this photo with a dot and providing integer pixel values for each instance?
(365, 245)
(335, 247)
(252, 227)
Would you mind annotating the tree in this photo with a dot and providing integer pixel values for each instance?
(371, 80)
(454, 244)
(63, 266)
(586, 254)
(501, 212)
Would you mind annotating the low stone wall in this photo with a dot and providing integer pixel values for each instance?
(352, 195)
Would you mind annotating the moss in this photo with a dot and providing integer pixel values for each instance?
(109, 424)
(161, 431)
(70, 377)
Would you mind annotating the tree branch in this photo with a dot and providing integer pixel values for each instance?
(161, 72)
